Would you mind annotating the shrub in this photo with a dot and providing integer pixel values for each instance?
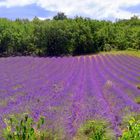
(95, 130)
(24, 128)
(132, 131)
(107, 47)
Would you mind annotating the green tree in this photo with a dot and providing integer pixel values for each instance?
(60, 16)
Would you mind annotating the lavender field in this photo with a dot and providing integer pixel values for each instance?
(70, 90)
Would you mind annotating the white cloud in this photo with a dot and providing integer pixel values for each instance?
(44, 18)
(10, 3)
(98, 9)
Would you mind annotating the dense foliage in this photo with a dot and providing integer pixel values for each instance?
(132, 131)
(63, 36)
(24, 128)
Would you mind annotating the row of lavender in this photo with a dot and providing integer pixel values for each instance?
(70, 90)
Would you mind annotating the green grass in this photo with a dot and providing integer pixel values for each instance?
(130, 52)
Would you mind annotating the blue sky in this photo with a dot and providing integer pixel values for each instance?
(133, 9)
(28, 11)
(96, 9)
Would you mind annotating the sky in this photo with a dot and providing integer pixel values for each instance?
(95, 9)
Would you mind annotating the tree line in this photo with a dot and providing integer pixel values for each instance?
(64, 36)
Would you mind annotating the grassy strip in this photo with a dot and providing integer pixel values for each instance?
(130, 52)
